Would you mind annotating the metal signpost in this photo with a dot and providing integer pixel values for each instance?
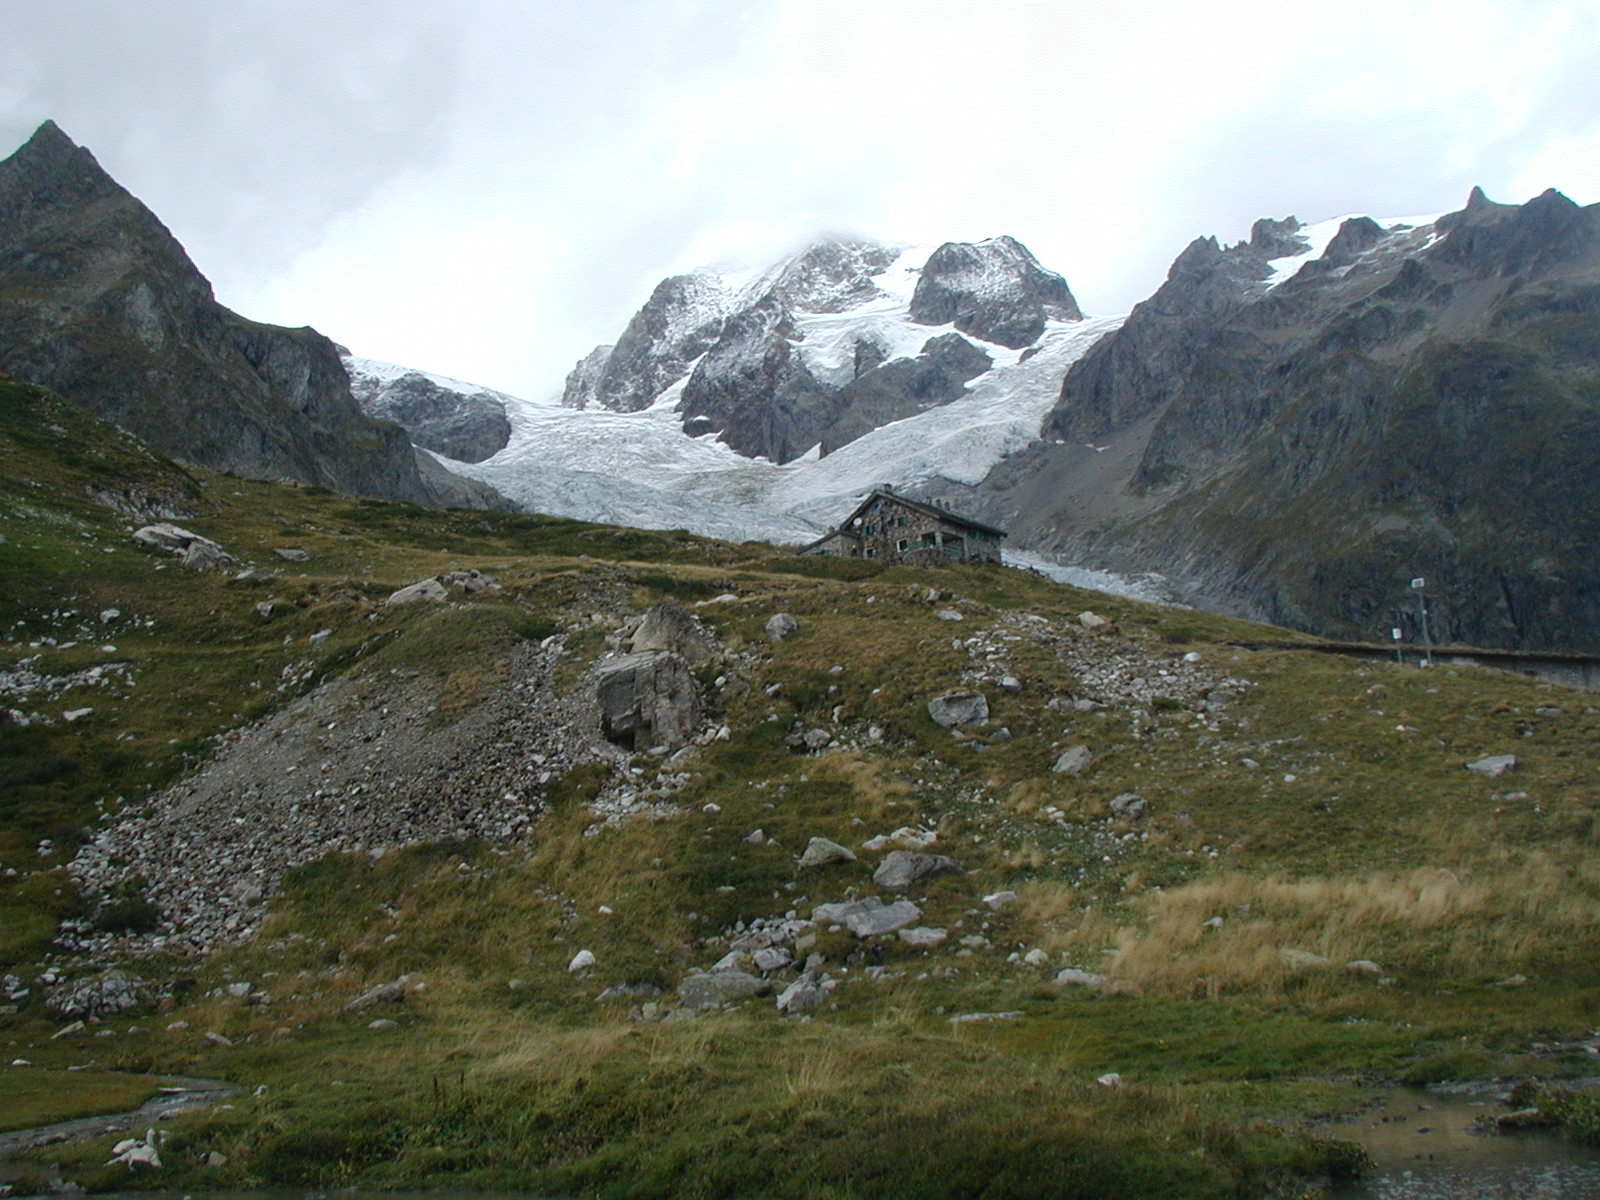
(1417, 586)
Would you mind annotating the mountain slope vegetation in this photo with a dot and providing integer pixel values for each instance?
(1173, 896)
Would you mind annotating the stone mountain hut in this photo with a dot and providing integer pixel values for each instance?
(895, 528)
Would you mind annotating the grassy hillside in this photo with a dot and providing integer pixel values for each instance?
(1314, 893)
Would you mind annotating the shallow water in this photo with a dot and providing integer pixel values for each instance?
(1425, 1148)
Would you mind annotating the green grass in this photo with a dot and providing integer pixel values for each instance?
(34, 1096)
(1352, 831)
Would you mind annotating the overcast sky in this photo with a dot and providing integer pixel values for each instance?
(488, 188)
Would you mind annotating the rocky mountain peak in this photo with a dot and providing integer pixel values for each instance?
(50, 170)
(680, 322)
(995, 290)
(833, 274)
(1511, 239)
(99, 302)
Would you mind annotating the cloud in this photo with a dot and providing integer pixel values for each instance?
(491, 187)
(245, 125)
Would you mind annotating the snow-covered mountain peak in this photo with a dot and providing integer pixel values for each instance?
(831, 275)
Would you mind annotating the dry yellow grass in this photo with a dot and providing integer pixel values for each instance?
(1228, 933)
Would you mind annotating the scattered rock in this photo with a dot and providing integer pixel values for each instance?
(107, 995)
(1073, 760)
(869, 917)
(195, 551)
(1074, 977)
(958, 708)
(780, 626)
(1494, 766)
(426, 589)
(1093, 622)
(708, 989)
(1363, 966)
(804, 995)
(1000, 900)
(904, 838)
(950, 614)
(385, 993)
(292, 553)
(923, 937)
(983, 1018)
(820, 852)
(383, 1023)
(772, 958)
(901, 868)
(1129, 805)
(581, 961)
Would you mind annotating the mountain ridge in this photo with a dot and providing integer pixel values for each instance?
(99, 301)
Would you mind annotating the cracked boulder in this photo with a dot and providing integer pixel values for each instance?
(648, 699)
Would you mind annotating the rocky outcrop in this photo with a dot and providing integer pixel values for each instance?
(995, 290)
(647, 700)
(584, 379)
(100, 303)
(904, 387)
(465, 426)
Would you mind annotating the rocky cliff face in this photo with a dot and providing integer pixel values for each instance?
(678, 324)
(460, 422)
(826, 345)
(1298, 434)
(99, 302)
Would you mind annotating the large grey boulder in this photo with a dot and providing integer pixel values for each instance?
(1494, 766)
(673, 628)
(648, 699)
(393, 992)
(780, 626)
(195, 551)
(958, 708)
(900, 869)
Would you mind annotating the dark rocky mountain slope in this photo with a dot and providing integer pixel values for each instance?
(1414, 402)
(99, 302)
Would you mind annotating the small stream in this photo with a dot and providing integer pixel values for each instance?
(181, 1094)
(1426, 1147)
